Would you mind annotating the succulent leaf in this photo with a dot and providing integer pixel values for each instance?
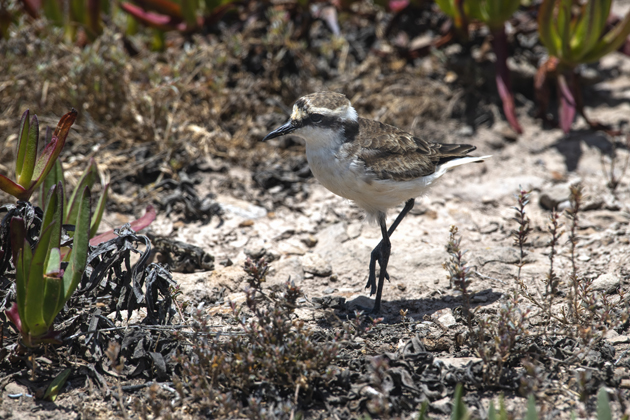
(34, 302)
(10, 187)
(53, 293)
(610, 42)
(80, 248)
(22, 141)
(27, 149)
(51, 151)
(189, 10)
(136, 225)
(88, 179)
(98, 213)
(52, 11)
(54, 177)
(54, 216)
(546, 29)
(57, 385)
(531, 409)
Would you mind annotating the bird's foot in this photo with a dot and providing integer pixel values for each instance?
(371, 283)
(377, 255)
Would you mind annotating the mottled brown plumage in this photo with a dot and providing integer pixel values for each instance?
(391, 153)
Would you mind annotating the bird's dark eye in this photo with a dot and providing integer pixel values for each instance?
(317, 118)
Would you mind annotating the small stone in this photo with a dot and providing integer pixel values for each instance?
(620, 339)
(424, 325)
(625, 383)
(315, 264)
(447, 319)
(495, 143)
(611, 334)
(594, 204)
(272, 255)
(584, 258)
(565, 205)
(442, 406)
(14, 388)
(502, 254)
(309, 240)
(226, 262)
(329, 290)
(506, 132)
(551, 197)
(284, 269)
(334, 278)
(255, 252)
(608, 282)
(450, 77)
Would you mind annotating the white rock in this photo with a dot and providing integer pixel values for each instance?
(315, 264)
(608, 282)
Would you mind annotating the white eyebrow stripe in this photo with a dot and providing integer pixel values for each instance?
(344, 112)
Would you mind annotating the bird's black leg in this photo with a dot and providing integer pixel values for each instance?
(381, 254)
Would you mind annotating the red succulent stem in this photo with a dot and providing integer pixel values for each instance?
(541, 85)
(567, 99)
(500, 47)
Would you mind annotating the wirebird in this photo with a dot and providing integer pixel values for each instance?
(376, 165)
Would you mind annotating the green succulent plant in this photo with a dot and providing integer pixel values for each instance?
(30, 170)
(577, 38)
(574, 33)
(493, 13)
(45, 278)
(90, 176)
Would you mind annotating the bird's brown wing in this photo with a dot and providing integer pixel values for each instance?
(390, 153)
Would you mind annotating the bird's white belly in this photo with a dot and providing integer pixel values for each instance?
(347, 178)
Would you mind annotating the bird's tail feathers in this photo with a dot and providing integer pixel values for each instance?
(462, 161)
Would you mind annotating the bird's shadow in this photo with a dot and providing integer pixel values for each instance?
(417, 309)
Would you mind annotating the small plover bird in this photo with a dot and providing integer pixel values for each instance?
(376, 165)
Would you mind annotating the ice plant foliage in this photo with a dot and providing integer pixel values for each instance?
(30, 170)
(45, 279)
(81, 14)
(493, 13)
(455, 10)
(88, 179)
(574, 33)
(183, 16)
(90, 176)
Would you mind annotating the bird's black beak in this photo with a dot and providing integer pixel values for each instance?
(289, 127)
